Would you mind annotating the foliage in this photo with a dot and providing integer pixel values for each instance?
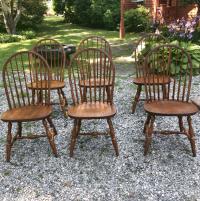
(28, 34)
(183, 30)
(32, 14)
(58, 6)
(93, 13)
(137, 20)
(192, 49)
(8, 38)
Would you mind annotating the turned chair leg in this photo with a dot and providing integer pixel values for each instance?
(148, 136)
(136, 98)
(19, 129)
(52, 125)
(108, 93)
(74, 135)
(63, 101)
(50, 136)
(112, 134)
(180, 120)
(9, 142)
(191, 135)
(146, 124)
(64, 97)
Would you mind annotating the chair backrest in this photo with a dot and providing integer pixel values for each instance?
(55, 56)
(171, 65)
(91, 76)
(143, 46)
(19, 71)
(96, 42)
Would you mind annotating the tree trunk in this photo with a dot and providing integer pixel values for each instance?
(11, 17)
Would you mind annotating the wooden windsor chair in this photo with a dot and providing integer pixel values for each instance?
(53, 52)
(96, 42)
(175, 63)
(24, 106)
(143, 46)
(91, 64)
(100, 43)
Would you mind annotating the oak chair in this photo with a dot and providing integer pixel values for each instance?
(93, 69)
(24, 106)
(53, 52)
(143, 46)
(175, 63)
(100, 43)
(96, 42)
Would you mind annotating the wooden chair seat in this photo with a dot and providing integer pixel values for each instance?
(94, 110)
(156, 79)
(54, 84)
(91, 83)
(27, 113)
(170, 108)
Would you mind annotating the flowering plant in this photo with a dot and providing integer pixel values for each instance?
(183, 29)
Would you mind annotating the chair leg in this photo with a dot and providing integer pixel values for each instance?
(180, 120)
(19, 129)
(191, 135)
(146, 124)
(52, 125)
(62, 102)
(74, 135)
(64, 97)
(108, 93)
(136, 98)
(112, 134)
(148, 137)
(9, 142)
(50, 137)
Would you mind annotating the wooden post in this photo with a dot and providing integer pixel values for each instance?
(122, 30)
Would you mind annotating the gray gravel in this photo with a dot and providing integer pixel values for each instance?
(168, 173)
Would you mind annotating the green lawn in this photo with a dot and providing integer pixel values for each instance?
(53, 27)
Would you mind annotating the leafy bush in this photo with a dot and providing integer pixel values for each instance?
(192, 49)
(58, 6)
(96, 14)
(29, 34)
(137, 20)
(32, 14)
(8, 38)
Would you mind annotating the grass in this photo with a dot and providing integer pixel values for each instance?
(54, 27)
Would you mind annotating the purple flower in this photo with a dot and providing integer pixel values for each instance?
(182, 35)
(189, 36)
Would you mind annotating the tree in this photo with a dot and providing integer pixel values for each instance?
(11, 10)
(59, 6)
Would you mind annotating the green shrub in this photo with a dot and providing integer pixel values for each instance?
(192, 49)
(32, 14)
(7, 38)
(95, 14)
(29, 34)
(58, 6)
(137, 20)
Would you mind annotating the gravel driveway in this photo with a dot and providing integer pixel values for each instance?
(167, 173)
